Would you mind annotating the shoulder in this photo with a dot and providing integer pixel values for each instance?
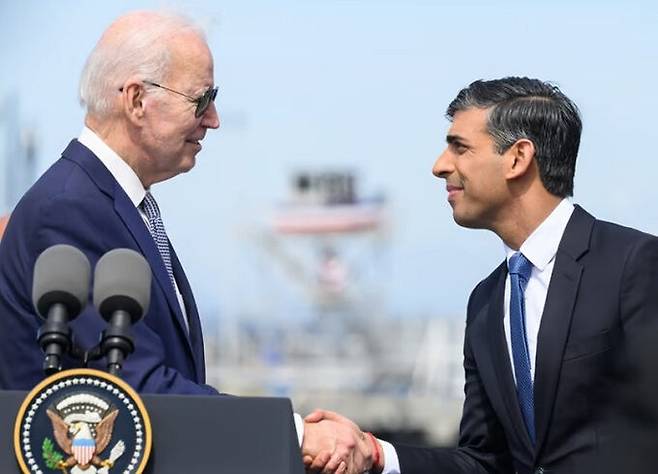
(605, 232)
(602, 234)
(635, 251)
(63, 178)
(617, 243)
(63, 206)
(615, 261)
(78, 175)
(64, 191)
(601, 247)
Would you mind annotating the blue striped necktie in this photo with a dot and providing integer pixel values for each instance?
(156, 227)
(520, 269)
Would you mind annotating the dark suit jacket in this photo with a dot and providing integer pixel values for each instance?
(595, 388)
(78, 202)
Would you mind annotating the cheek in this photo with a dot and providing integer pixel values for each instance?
(484, 182)
(495, 188)
(160, 130)
(186, 130)
(171, 138)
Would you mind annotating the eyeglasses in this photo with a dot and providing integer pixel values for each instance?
(202, 102)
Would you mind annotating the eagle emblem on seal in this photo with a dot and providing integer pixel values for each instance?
(82, 425)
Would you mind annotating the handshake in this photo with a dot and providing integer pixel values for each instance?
(335, 444)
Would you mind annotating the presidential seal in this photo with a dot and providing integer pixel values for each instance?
(82, 421)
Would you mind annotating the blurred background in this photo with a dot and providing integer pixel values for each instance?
(323, 255)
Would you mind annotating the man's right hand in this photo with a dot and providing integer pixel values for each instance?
(337, 445)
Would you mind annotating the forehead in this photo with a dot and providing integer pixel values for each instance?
(191, 61)
(470, 123)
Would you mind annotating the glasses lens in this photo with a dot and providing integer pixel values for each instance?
(204, 102)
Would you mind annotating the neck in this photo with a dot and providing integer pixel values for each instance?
(523, 217)
(118, 138)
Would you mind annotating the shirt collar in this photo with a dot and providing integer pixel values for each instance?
(122, 172)
(541, 246)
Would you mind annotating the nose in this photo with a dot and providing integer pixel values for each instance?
(210, 117)
(444, 164)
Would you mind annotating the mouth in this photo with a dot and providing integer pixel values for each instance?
(195, 142)
(453, 191)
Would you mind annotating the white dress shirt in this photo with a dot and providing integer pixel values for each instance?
(129, 182)
(540, 248)
(132, 186)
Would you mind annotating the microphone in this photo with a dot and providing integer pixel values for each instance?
(60, 289)
(122, 293)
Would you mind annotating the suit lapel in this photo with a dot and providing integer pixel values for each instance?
(501, 360)
(134, 223)
(195, 334)
(557, 317)
(94, 168)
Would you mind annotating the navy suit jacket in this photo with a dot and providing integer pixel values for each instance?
(595, 387)
(78, 202)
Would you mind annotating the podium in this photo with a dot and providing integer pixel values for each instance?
(199, 434)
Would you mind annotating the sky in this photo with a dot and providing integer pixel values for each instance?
(360, 86)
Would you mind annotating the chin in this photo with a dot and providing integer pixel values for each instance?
(187, 164)
(466, 221)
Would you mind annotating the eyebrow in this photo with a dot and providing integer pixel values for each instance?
(203, 90)
(455, 140)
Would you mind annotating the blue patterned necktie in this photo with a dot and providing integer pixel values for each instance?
(156, 227)
(519, 270)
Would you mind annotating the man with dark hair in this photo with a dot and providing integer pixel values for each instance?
(560, 343)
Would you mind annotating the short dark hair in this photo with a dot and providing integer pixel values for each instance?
(536, 110)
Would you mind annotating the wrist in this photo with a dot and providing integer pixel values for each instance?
(377, 455)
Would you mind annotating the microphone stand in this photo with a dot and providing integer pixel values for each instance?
(116, 343)
(54, 337)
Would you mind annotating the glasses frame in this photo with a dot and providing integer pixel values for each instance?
(202, 102)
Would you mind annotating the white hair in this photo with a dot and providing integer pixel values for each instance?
(140, 48)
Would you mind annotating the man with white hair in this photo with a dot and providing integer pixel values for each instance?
(148, 89)
(149, 93)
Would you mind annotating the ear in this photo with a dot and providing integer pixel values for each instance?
(132, 101)
(520, 157)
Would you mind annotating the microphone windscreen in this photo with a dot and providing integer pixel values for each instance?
(61, 275)
(122, 281)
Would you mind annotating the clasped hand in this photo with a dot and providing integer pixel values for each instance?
(335, 444)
